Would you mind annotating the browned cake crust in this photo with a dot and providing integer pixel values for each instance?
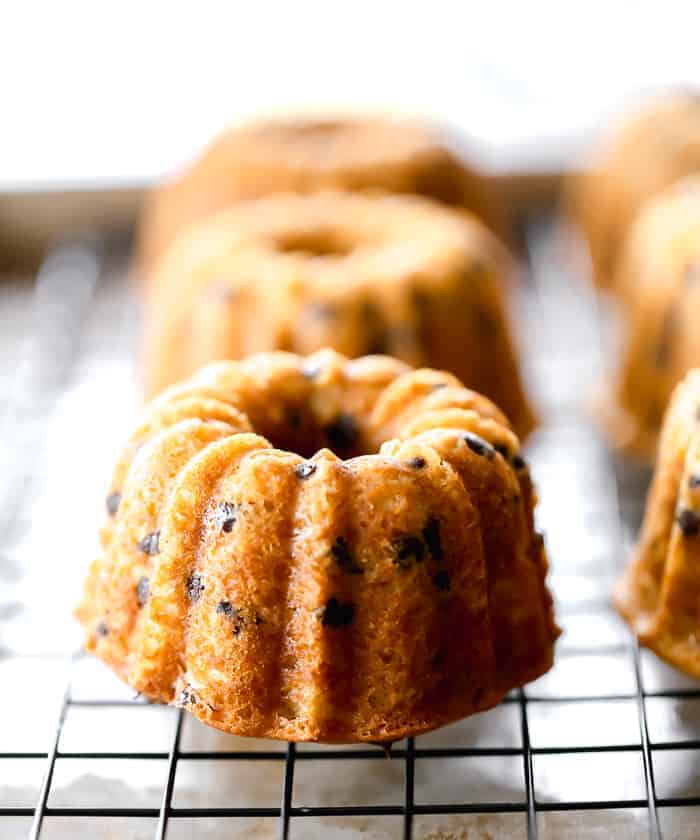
(643, 155)
(367, 593)
(305, 155)
(382, 274)
(660, 591)
(658, 282)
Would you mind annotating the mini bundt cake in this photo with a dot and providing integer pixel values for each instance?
(658, 286)
(321, 549)
(364, 275)
(305, 155)
(643, 155)
(660, 591)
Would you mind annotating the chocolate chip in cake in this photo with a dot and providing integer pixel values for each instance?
(478, 445)
(417, 462)
(345, 558)
(519, 463)
(487, 323)
(694, 482)
(185, 697)
(143, 590)
(342, 433)
(101, 629)
(236, 616)
(294, 418)
(305, 470)
(195, 587)
(439, 657)
(689, 522)
(337, 614)
(442, 581)
(112, 503)
(436, 386)
(409, 550)
(225, 514)
(431, 535)
(378, 344)
(502, 450)
(149, 543)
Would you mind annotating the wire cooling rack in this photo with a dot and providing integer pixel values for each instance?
(608, 741)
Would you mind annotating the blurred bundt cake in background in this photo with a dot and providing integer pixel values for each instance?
(306, 155)
(362, 274)
(660, 592)
(658, 283)
(321, 549)
(646, 152)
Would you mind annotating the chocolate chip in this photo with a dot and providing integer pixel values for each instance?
(112, 502)
(694, 482)
(519, 463)
(486, 323)
(431, 535)
(438, 385)
(304, 470)
(295, 419)
(442, 581)
(378, 345)
(185, 697)
(225, 608)
(143, 590)
(342, 433)
(225, 515)
(417, 462)
(478, 445)
(409, 550)
(195, 587)
(236, 616)
(337, 614)
(149, 543)
(101, 629)
(502, 450)
(689, 522)
(345, 558)
(439, 657)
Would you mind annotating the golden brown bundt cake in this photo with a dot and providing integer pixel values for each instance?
(658, 284)
(660, 591)
(321, 549)
(305, 155)
(382, 274)
(643, 155)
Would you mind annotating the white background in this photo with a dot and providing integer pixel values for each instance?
(127, 91)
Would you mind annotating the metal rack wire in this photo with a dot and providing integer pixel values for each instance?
(585, 746)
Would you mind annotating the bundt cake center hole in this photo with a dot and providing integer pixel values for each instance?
(314, 243)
